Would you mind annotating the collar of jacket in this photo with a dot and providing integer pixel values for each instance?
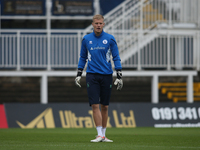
(99, 35)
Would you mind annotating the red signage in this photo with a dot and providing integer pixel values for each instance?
(3, 120)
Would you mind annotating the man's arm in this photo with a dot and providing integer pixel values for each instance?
(117, 62)
(81, 64)
(83, 55)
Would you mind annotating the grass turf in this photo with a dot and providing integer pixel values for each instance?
(79, 139)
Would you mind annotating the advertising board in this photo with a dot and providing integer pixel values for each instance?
(121, 115)
(23, 7)
(71, 7)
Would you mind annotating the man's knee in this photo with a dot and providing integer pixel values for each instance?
(95, 106)
(104, 107)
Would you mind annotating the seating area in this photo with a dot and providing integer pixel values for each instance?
(63, 89)
(177, 92)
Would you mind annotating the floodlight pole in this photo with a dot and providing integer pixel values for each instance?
(96, 7)
(48, 28)
(0, 17)
(44, 83)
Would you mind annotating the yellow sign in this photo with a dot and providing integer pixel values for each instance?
(126, 121)
(69, 119)
(45, 118)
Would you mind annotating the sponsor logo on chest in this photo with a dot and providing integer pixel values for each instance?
(99, 47)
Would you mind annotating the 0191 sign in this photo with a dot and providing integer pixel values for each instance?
(175, 113)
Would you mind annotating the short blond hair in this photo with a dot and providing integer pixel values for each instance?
(98, 17)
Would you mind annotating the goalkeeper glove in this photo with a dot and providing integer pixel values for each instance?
(78, 78)
(119, 81)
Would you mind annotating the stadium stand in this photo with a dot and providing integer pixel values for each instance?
(177, 91)
(152, 35)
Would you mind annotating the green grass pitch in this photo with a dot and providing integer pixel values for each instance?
(139, 138)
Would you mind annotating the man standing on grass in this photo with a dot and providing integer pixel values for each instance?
(97, 48)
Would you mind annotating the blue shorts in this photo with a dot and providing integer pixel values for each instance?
(99, 88)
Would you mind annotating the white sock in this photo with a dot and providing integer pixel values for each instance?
(99, 130)
(104, 132)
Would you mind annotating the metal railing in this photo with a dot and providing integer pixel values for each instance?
(164, 49)
(29, 49)
(148, 14)
(159, 49)
(136, 26)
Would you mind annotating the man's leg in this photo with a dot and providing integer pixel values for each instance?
(98, 122)
(104, 114)
(97, 115)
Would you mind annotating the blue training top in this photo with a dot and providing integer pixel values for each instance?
(98, 50)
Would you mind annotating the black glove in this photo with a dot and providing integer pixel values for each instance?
(78, 77)
(119, 81)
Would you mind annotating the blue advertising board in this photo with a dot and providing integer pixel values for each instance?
(121, 115)
(72, 7)
(23, 7)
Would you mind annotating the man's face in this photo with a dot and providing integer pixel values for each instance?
(98, 25)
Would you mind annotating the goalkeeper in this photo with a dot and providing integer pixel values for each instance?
(97, 48)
